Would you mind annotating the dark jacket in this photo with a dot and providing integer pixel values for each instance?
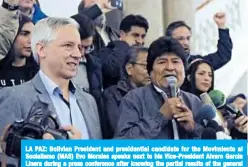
(94, 75)
(223, 54)
(93, 12)
(140, 116)
(111, 99)
(112, 58)
(98, 41)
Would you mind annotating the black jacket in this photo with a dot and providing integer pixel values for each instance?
(94, 12)
(111, 99)
(112, 58)
(12, 76)
(98, 41)
(94, 75)
(223, 54)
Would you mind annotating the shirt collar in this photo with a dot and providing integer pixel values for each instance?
(162, 92)
(52, 87)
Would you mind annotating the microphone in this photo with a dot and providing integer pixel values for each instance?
(219, 101)
(172, 82)
(220, 132)
(206, 112)
(209, 133)
(231, 110)
(218, 98)
(205, 98)
(213, 124)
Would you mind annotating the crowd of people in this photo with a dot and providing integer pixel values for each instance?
(102, 83)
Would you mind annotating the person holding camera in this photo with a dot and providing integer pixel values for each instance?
(58, 53)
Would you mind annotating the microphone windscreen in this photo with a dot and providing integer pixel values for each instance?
(218, 98)
(206, 112)
(213, 124)
(205, 98)
(171, 80)
(209, 133)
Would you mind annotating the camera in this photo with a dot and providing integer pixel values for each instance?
(38, 122)
(117, 3)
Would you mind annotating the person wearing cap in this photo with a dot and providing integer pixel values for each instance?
(150, 112)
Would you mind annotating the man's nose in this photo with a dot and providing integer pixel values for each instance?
(169, 66)
(77, 53)
(139, 40)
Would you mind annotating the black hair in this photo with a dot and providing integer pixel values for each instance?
(174, 25)
(161, 46)
(133, 20)
(131, 58)
(233, 98)
(10, 57)
(190, 85)
(87, 28)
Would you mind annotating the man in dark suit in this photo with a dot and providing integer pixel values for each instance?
(58, 52)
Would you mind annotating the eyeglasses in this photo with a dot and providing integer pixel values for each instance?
(88, 49)
(141, 64)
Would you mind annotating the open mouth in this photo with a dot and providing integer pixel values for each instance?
(170, 75)
(72, 64)
(28, 49)
(186, 50)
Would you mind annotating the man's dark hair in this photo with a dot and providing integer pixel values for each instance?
(133, 53)
(164, 45)
(174, 25)
(87, 28)
(133, 20)
(131, 57)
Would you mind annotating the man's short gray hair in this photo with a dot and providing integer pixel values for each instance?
(44, 31)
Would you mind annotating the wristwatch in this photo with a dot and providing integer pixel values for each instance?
(9, 7)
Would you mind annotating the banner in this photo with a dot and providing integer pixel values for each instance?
(143, 153)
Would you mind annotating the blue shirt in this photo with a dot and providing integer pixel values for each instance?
(69, 112)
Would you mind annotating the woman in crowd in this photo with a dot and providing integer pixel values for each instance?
(200, 78)
(18, 65)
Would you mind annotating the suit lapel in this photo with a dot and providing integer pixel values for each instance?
(43, 95)
(82, 105)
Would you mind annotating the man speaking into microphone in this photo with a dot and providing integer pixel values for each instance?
(161, 110)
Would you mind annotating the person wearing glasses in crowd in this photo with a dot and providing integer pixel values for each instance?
(133, 30)
(133, 74)
(89, 76)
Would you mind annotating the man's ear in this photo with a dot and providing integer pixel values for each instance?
(122, 35)
(188, 77)
(129, 68)
(40, 49)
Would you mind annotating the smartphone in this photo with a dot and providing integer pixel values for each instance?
(117, 3)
